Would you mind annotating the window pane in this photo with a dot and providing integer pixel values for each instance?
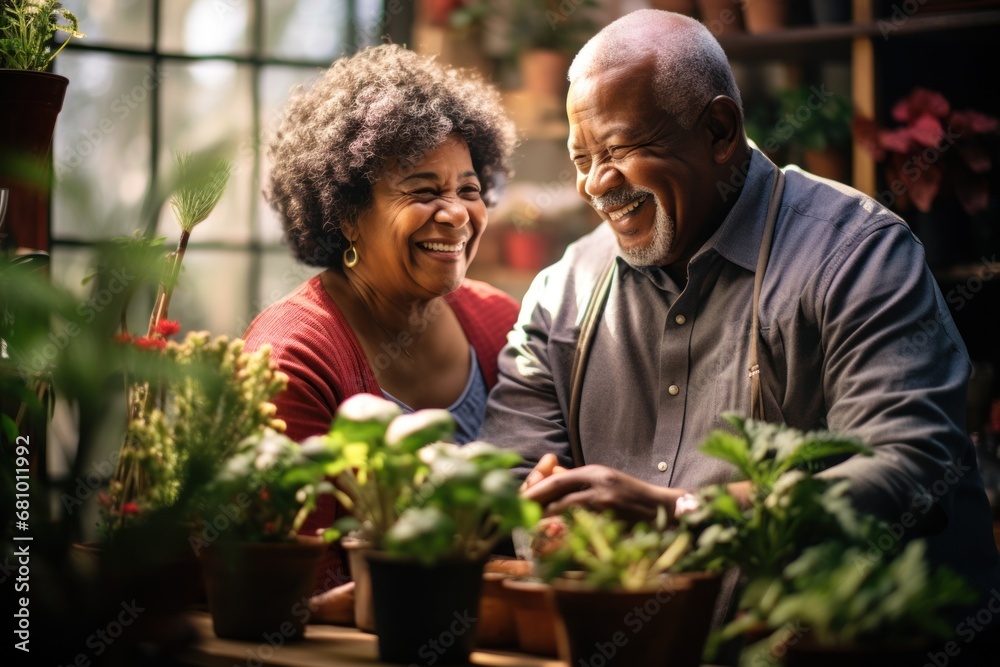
(280, 274)
(122, 23)
(103, 130)
(276, 87)
(305, 29)
(212, 292)
(206, 27)
(207, 106)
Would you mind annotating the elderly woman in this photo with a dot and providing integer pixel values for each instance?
(382, 173)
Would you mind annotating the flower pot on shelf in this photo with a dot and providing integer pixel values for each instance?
(722, 17)
(32, 101)
(364, 610)
(535, 618)
(415, 602)
(526, 249)
(543, 72)
(495, 628)
(255, 588)
(761, 16)
(671, 632)
(688, 7)
(831, 163)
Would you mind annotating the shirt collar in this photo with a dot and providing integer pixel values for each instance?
(738, 237)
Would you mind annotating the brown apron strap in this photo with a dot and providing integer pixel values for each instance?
(583, 345)
(773, 206)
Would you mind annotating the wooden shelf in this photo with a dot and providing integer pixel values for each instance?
(834, 41)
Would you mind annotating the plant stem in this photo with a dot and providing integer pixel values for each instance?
(171, 272)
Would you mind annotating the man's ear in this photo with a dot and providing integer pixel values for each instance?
(725, 125)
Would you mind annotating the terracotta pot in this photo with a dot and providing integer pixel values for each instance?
(665, 625)
(535, 617)
(688, 7)
(425, 610)
(364, 609)
(544, 72)
(259, 588)
(31, 103)
(830, 163)
(526, 250)
(723, 18)
(762, 16)
(495, 628)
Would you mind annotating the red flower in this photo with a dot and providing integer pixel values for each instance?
(130, 508)
(149, 343)
(167, 328)
(264, 495)
(124, 338)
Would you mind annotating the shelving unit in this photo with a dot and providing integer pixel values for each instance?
(939, 46)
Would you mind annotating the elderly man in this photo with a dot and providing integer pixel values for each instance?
(854, 334)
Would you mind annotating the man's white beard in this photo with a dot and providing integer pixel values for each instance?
(655, 253)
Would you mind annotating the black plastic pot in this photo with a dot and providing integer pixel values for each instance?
(425, 614)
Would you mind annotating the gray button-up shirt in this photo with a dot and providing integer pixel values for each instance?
(857, 336)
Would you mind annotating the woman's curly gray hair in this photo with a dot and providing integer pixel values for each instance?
(384, 103)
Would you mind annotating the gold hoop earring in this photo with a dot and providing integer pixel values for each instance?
(351, 256)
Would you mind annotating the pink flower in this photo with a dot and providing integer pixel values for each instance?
(919, 102)
(167, 328)
(130, 508)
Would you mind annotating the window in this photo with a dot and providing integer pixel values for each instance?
(158, 76)
(154, 77)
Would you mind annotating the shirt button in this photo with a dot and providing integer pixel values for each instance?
(662, 466)
(680, 319)
(673, 390)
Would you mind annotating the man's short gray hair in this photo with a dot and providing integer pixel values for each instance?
(691, 67)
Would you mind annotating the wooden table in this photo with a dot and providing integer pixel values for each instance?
(323, 646)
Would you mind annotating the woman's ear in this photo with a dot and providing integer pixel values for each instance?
(725, 125)
(349, 230)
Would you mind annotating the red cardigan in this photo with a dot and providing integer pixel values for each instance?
(314, 345)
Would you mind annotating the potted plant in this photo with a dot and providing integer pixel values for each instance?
(374, 480)
(416, 504)
(33, 98)
(604, 570)
(938, 164)
(430, 513)
(258, 576)
(820, 122)
(834, 605)
(540, 36)
(465, 502)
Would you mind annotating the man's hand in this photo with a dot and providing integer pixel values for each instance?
(598, 488)
(547, 466)
(335, 606)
